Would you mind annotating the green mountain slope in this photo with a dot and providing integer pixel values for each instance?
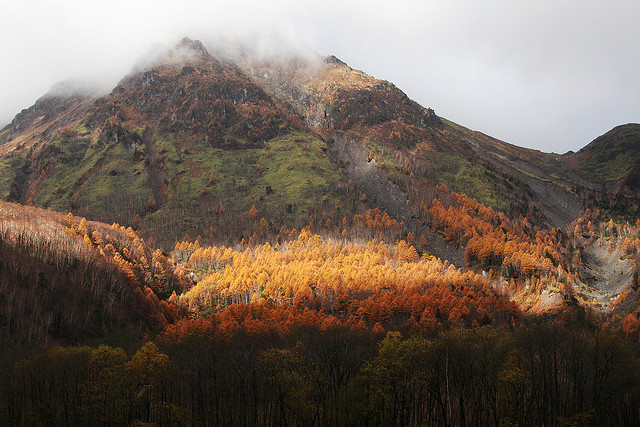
(189, 143)
(186, 146)
(611, 157)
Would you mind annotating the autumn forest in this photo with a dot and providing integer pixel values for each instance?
(228, 240)
(309, 327)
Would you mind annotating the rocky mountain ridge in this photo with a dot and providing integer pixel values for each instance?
(162, 125)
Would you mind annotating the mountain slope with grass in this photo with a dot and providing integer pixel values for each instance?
(187, 145)
(611, 158)
(194, 139)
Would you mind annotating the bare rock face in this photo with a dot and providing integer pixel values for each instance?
(332, 97)
(193, 93)
(331, 59)
(431, 119)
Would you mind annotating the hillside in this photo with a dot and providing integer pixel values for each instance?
(67, 280)
(295, 242)
(611, 159)
(187, 139)
(236, 148)
(189, 142)
(226, 144)
(337, 327)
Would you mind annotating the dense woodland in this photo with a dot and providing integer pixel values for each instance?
(349, 323)
(286, 365)
(300, 243)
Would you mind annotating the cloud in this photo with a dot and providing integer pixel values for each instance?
(545, 74)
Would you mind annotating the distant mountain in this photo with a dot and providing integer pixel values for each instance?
(611, 159)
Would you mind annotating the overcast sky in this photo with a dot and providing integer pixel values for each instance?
(550, 75)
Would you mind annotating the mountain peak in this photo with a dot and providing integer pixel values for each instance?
(192, 46)
(332, 59)
(186, 51)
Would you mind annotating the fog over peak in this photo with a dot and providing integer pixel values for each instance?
(264, 46)
(76, 87)
(542, 74)
(184, 52)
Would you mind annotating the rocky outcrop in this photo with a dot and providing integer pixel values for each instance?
(204, 98)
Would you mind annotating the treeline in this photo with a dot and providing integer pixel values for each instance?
(243, 367)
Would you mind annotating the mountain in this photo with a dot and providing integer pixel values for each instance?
(611, 159)
(187, 130)
(293, 241)
(190, 141)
